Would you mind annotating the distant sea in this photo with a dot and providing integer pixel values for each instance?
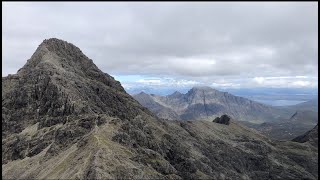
(279, 102)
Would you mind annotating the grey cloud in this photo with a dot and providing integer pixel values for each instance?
(244, 39)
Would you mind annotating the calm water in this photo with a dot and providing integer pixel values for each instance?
(279, 102)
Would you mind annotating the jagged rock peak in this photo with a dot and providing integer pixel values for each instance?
(55, 56)
(60, 53)
(52, 41)
(142, 93)
(58, 45)
(175, 94)
(203, 88)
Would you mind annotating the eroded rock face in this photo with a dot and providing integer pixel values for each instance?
(59, 85)
(224, 119)
(62, 118)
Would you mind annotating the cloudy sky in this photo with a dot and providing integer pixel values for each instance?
(223, 45)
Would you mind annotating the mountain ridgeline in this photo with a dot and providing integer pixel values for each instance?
(286, 129)
(310, 136)
(207, 103)
(63, 118)
(311, 105)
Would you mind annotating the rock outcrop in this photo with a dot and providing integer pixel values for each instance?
(224, 119)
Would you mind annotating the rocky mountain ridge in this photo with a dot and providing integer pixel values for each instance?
(309, 137)
(62, 118)
(286, 129)
(207, 103)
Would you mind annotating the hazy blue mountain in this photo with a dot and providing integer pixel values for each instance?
(311, 105)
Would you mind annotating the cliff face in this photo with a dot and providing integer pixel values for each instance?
(59, 85)
(59, 80)
(157, 108)
(62, 118)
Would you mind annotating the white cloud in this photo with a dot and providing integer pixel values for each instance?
(259, 80)
(303, 83)
(264, 51)
(149, 81)
(166, 82)
(190, 65)
(226, 83)
(287, 82)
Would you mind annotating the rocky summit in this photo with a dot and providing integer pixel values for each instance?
(63, 118)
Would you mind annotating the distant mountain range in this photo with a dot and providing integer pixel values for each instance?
(207, 103)
(304, 119)
(269, 96)
(311, 105)
(286, 129)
